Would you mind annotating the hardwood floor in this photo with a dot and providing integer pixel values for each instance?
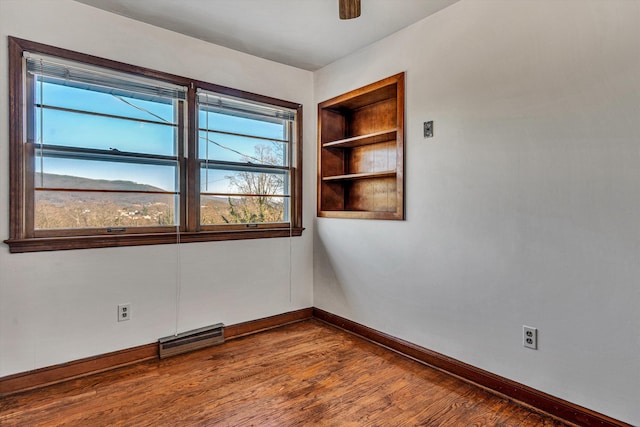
(308, 373)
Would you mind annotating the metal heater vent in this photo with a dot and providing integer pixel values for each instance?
(191, 340)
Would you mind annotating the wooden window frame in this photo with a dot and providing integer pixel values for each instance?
(23, 238)
(236, 165)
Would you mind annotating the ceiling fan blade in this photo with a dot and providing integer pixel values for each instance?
(349, 9)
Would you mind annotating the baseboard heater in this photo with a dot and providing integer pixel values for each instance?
(191, 340)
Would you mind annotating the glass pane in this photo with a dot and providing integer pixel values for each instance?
(246, 126)
(243, 182)
(216, 146)
(61, 209)
(88, 100)
(104, 175)
(215, 210)
(104, 133)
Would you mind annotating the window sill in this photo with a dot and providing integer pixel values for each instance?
(109, 241)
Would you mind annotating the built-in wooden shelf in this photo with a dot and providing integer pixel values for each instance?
(361, 152)
(359, 141)
(365, 175)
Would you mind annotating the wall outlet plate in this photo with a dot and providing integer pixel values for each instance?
(530, 337)
(124, 312)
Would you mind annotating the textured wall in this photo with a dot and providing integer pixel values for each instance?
(524, 207)
(61, 306)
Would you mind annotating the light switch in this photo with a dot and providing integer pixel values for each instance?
(428, 129)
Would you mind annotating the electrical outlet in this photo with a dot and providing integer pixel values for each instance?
(530, 337)
(124, 312)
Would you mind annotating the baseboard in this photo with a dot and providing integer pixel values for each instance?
(266, 323)
(552, 405)
(92, 365)
(544, 402)
(76, 369)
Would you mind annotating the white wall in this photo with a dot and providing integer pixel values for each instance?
(523, 209)
(61, 306)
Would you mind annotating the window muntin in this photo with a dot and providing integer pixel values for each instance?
(245, 157)
(224, 147)
(83, 130)
(104, 173)
(114, 92)
(225, 121)
(65, 96)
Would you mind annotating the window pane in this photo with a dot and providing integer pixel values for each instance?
(229, 148)
(104, 133)
(104, 175)
(97, 102)
(216, 210)
(61, 209)
(243, 125)
(233, 194)
(243, 182)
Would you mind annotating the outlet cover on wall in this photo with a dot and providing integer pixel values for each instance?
(124, 312)
(530, 337)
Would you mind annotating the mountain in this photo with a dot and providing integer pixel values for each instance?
(68, 181)
(89, 209)
(76, 182)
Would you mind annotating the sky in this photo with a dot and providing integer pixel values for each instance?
(73, 129)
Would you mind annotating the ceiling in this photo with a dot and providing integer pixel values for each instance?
(302, 33)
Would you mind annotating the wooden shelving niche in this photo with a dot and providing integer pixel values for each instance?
(361, 152)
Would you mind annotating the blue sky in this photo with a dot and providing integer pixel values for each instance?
(89, 131)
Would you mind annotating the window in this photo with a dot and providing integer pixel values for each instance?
(105, 148)
(107, 154)
(244, 157)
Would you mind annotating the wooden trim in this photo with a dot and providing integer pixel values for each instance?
(92, 365)
(359, 215)
(260, 325)
(359, 141)
(242, 94)
(191, 185)
(284, 196)
(361, 175)
(105, 231)
(16, 183)
(88, 190)
(118, 240)
(400, 211)
(296, 176)
(542, 401)
(35, 47)
(78, 368)
(356, 98)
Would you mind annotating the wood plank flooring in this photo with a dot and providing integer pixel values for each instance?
(305, 374)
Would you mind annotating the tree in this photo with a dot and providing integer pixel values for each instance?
(263, 202)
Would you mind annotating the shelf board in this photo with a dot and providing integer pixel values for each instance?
(359, 98)
(354, 176)
(357, 141)
(359, 214)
